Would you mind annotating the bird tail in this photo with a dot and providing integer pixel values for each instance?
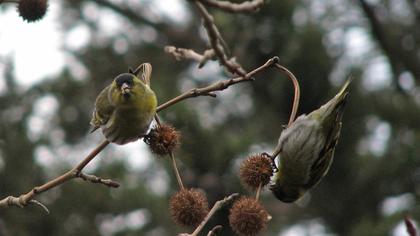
(335, 105)
(345, 88)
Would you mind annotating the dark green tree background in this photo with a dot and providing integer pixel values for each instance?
(375, 178)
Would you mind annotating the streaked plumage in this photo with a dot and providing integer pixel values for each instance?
(126, 107)
(306, 149)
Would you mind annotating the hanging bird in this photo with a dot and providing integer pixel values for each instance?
(306, 149)
(126, 107)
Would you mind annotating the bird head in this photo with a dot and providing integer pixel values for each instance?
(126, 89)
(124, 84)
(287, 193)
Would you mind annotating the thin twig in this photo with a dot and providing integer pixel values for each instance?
(171, 154)
(95, 179)
(244, 7)
(217, 86)
(189, 54)
(91, 155)
(217, 43)
(295, 105)
(257, 194)
(218, 205)
(178, 176)
(297, 92)
(26, 198)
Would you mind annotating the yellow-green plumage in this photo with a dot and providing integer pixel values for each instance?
(126, 107)
(306, 149)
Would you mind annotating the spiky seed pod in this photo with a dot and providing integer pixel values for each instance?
(163, 139)
(188, 207)
(32, 10)
(256, 170)
(248, 217)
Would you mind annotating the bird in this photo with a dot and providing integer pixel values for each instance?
(306, 149)
(125, 108)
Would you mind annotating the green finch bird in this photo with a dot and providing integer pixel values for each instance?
(126, 107)
(306, 149)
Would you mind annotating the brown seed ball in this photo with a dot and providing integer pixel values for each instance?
(32, 10)
(163, 139)
(188, 207)
(256, 170)
(248, 217)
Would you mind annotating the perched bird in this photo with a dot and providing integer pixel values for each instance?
(306, 149)
(125, 108)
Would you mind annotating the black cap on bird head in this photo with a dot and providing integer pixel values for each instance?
(125, 82)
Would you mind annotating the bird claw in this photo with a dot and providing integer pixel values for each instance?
(272, 158)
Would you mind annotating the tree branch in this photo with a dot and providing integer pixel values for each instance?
(217, 86)
(296, 98)
(27, 198)
(95, 179)
(184, 53)
(217, 43)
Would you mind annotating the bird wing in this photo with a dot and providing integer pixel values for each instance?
(103, 110)
(297, 149)
(320, 167)
(330, 117)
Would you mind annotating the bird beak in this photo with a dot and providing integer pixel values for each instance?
(125, 88)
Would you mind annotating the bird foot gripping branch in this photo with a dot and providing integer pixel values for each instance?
(272, 159)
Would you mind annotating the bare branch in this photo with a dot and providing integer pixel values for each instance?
(245, 7)
(217, 86)
(95, 179)
(17, 201)
(178, 176)
(184, 53)
(217, 42)
(296, 98)
(27, 198)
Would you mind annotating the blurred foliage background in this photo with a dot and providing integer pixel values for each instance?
(373, 182)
